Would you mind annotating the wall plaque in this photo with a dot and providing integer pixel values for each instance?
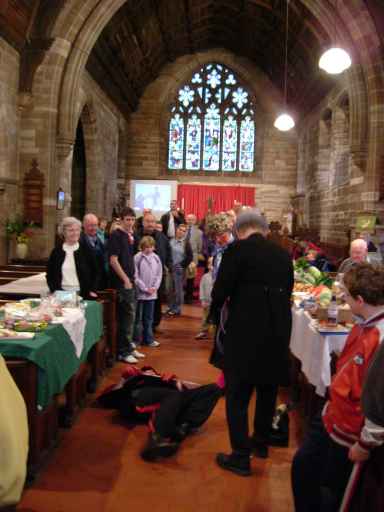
(33, 195)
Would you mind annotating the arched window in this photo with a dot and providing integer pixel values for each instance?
(212, 126)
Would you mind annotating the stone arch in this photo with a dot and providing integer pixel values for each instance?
(78, 26)
(82, 35)
(364, 79)
(93, 157)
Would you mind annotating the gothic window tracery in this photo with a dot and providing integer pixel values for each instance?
(212, 124)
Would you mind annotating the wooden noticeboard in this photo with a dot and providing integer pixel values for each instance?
(33, 195)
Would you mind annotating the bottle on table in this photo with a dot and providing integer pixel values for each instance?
(332, 311)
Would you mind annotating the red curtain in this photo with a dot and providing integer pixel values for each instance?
(195, 198)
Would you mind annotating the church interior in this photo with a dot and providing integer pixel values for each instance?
(96, 94)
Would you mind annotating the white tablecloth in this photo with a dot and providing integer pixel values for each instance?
(314, 350)
(33, 284)
(74, 322)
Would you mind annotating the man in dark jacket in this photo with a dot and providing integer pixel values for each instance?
(90, 238)
(255, 278)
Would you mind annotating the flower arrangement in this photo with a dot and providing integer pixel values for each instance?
(19, 228)
(218, 224)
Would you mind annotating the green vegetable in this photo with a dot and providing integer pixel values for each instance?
(315, 272)
(301, 264)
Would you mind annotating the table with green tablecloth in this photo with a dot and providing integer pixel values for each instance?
(54, 354)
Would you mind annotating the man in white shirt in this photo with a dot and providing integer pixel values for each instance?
(171, 220)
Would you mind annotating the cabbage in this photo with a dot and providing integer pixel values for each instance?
(315, 272)
(325, 297)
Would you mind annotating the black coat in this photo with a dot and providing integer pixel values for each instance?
(256, 278)
(101, 257)
(86, 268)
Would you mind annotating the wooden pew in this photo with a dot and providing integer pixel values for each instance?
(109, 297)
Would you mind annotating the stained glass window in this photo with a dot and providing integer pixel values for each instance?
(212, 125)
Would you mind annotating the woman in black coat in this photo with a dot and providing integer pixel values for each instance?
(71, 265)
(256, 280)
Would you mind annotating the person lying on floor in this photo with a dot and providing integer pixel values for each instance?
(172, 408)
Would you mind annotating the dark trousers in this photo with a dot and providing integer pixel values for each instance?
(126, 310)
(144, 321)
(158, 302)
(320, 471)
(189, 288)
(192, 406)
(238, 393)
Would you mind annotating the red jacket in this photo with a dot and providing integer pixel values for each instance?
(343, 417)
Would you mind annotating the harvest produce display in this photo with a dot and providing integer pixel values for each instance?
(310, 279)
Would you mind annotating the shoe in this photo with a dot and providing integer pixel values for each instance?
(182, 431)
(130, 358)
(133, 344)
(138, 354)
(259, 448)
(170, 313)
(157, 447)
(153, 344)
(201, 335)
(240, 466)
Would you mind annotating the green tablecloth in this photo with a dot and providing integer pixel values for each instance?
(53, 352)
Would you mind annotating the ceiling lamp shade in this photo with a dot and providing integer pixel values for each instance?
(334, 61)
(284, 122)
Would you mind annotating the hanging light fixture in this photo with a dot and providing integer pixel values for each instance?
(335, 60)
(284, 121)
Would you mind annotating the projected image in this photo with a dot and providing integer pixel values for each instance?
(155, 197)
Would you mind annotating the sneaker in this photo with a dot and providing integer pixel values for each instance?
(138, 354)
(133, 344)
(130, 358)
(170, 313)
(240, 466)
(201, 335)
(153, 344)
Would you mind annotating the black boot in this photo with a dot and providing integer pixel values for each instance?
(158, 446)
(235, 463)
(182, 431)
(259, 448)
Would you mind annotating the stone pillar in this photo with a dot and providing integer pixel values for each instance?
(64, 155)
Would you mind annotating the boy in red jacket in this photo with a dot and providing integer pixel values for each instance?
(343, 436)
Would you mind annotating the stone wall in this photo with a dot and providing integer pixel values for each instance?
(334, 187)
(28, 128)
(9, 139)
(276, 152)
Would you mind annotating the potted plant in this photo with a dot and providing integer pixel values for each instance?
(19, 230)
